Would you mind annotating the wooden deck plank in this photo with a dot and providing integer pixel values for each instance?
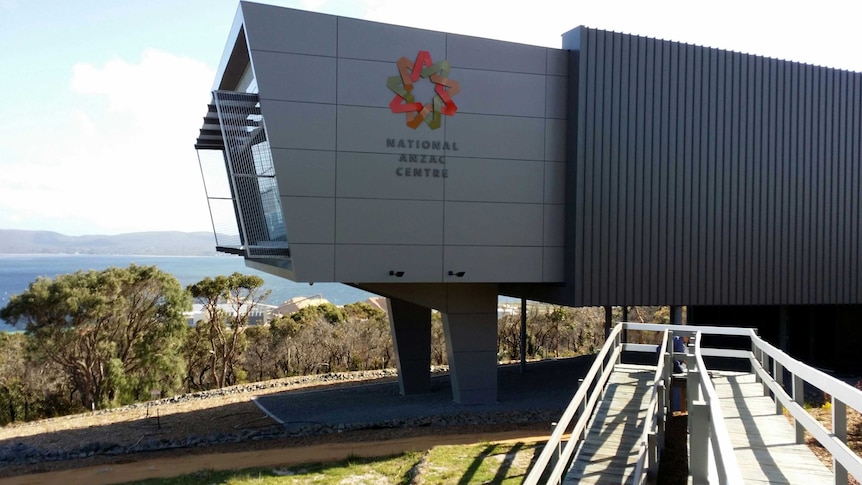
(609, 453)
(765, 442)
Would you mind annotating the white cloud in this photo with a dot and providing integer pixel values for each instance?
(123, 158)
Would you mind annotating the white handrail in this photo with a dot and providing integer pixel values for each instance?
(724, 461)
(654, 416)
(596, 369)
(726, 464)
(842, 395)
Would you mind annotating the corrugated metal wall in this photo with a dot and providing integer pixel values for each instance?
(708, 177)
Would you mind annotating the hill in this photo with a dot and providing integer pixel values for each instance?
(162, 243)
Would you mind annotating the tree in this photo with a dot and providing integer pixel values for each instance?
(222, 327)
(115, 333)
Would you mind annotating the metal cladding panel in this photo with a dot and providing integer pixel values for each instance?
(555, 182)
(277, 29)
(407, 222)
(314, 215)
(312, 172)
(366, 129)
(503, 137)
(305, 126)
(555, 140)
(493, 224)
(492, 180)
(530, 89)
(365, 176)
(292, 77)
(482, 264)
(359, 83)
(495, 55)
(707, 177)
(357, 175)
(360, 39)
(314, 262)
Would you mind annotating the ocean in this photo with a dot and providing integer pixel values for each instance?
(18, 270)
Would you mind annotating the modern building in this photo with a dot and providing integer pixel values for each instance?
(442, 170)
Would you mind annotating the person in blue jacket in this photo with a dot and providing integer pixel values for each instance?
(679, 344)
(679, 347)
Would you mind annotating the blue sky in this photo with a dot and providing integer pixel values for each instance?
(102, 99)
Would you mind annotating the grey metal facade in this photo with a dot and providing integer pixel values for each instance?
(701, 176)
(621, 170)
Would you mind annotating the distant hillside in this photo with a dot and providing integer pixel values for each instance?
(162, 243)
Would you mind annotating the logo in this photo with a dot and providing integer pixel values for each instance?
(402, 85)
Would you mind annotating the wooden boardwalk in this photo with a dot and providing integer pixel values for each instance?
(765, 442)
(610, 450)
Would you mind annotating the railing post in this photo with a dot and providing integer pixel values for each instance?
(765, 366)
(667, 377)
(555, 458)
(778, 373)
(617, 343)
(692, 391)
(698, 437)
(757, 357)
(598, 379)
(581, 408)
(799, 397)
(652, 454)
(839, 429)
(662, 409)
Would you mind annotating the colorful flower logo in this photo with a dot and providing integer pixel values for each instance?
(402, 85)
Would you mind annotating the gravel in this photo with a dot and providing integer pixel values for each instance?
(539, 396)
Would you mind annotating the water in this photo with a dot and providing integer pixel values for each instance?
(18, 270)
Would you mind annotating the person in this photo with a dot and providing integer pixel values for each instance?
(678, 344)
(678, 394)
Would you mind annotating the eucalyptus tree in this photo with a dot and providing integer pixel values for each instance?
(115, 333)
(228, 304)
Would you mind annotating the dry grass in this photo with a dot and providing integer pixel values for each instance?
(227, 414)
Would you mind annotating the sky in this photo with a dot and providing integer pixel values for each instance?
(101, 100)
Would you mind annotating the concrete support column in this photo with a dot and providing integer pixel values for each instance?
(411, 336)
(470, 328)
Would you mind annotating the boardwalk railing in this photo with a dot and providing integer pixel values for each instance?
(711, 457)
(582, 406)
(771, 364)
(557, 458)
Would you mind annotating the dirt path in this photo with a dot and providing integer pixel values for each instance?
(171, 467)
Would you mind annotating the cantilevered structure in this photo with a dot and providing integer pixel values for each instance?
(442, 170)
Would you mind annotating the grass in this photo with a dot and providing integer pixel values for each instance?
(491, 463)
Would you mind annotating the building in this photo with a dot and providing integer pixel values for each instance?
(442, 170)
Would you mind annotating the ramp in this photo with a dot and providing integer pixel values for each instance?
(610, 451)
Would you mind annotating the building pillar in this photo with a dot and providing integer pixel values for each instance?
(625, 318)
(609, 315)
(783, 317)
(676, 315)
(470, 328)
(411, 336)
(523, 340)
